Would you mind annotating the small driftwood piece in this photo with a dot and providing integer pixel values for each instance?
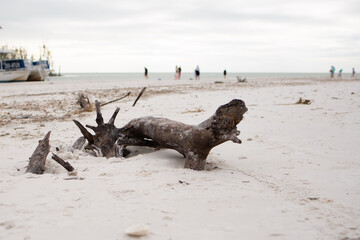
(140, 94)
(84, 102)
(38, 158)
(65, 165)
(239, 79)
(103, 143)
(303, 101)
(103, 104)
(193, 142)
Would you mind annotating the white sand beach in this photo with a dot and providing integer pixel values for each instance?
(295, 176)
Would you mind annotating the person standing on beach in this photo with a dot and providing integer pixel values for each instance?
(146, 73)
(332, 71)
(197, 73)
(340, 73)
(353, 72)
(224, 73)
(176, 72)
(179, 72)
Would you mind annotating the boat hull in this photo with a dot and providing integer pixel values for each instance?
(39, 71)
(38, 74)
(16, 75)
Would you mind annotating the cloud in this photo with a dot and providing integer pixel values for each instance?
(242, 34)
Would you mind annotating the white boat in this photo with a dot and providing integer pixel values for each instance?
(14, 70)
(40, 71)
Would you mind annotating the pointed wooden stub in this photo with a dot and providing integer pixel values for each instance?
(99, 118)
(112, 119)
(85, 132)
(38, 158)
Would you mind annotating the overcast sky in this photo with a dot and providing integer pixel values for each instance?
(239, 35)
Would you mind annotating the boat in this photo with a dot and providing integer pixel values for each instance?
(40, 71)
(14, 70)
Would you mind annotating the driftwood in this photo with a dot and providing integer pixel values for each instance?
(239, 79)
(84, 102)
(140, 94)
(66, 165)
(103, 104)
(303, 101)
(193, 141)
(38, 158)
(103, 143)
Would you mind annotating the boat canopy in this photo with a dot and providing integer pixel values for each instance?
(2, 51)
(15, 64)
(43, 63)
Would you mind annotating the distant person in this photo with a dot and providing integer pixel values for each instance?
(146, 73)
(179, 72)
(340, 73)
(332, 71)
(176, 72)
(224, 73)
(353, 72)
(197, 73)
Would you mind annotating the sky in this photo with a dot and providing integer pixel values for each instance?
(236, 35)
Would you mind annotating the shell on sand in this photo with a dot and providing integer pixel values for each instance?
(137, 230)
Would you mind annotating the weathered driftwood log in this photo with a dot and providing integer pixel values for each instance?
(103, 143)
(60, 161)
(194, 142)
(38, 158)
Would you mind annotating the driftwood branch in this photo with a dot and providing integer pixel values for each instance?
(138, 97)
(103, 104)
(89, 137)
(38, 158)
(66, 165)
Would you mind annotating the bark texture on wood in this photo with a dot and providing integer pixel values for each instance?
(38, 158)
(103, 143)
(193, 141)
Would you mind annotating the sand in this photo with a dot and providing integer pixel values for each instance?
(295, 176)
